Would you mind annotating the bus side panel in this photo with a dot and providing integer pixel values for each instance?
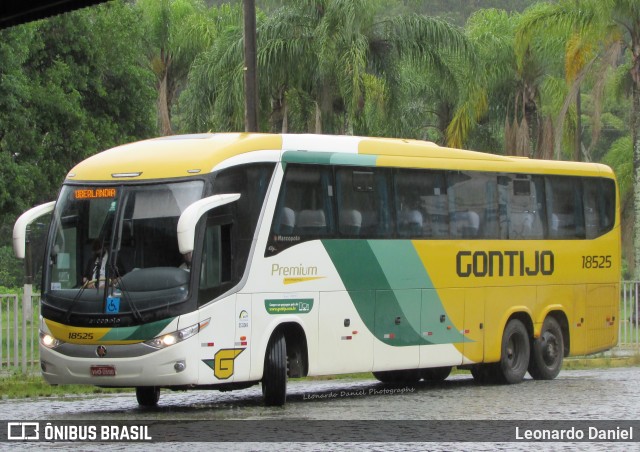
(347, 343)
(501, 303)
(602, 316)
(577, 327)
(243, 338)
(397, 326)
(442, 316)
(218, 350)
(474, 325)
(570, 299)
(276, 308)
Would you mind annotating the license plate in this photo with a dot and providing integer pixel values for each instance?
(103, 371)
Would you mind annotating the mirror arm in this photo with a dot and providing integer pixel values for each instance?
(20, 227)
(192, 214)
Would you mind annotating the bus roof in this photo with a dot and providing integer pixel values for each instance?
(190, 155)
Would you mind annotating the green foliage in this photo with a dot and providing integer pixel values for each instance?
(343, 56)
(78, 83)
(11, 274)
(620, 158)
(68, 89)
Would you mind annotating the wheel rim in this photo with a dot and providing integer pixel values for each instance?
(513, 351)
(549, 348)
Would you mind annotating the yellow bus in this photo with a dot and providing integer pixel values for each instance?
(219, 261)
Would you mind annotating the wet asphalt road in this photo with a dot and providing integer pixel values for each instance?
(599, 394)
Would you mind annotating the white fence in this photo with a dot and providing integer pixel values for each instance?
(19, 332)
(629, 333)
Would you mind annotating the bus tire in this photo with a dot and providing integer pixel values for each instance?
(398, 376)
(484, 373)
(515, 352)
(147, 396)
(435, 374)
(547, 351)
(274, 379)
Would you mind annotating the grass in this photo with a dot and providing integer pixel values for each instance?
(601, 362)
(19, 386)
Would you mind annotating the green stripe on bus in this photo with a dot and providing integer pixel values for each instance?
(326, 158)
(137, 333)
(391, 291)
(322, 158)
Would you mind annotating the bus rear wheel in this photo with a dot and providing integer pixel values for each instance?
(147, 396)
(484, 373)
(274, 379)
(514, 359)
(547, 351)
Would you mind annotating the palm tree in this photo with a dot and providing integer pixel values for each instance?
(214, 95)
(517, 79)
(339, 56)
(176, 30)
(612, 23)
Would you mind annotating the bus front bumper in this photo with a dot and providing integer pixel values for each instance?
(118, 365)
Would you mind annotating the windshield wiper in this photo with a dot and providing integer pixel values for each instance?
(113, 269)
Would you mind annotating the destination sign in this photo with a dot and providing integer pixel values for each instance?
(91, 193)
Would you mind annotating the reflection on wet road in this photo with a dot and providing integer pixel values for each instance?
(588, 394)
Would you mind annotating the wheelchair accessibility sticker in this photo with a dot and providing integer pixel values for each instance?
(113, 305)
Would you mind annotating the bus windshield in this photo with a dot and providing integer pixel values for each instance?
(118, 243)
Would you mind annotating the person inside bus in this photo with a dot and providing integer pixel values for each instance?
(186, 265)
(94, 275)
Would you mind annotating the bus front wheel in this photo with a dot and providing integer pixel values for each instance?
(147, 396)
(515, 353)
(547, 351)
(274, 379)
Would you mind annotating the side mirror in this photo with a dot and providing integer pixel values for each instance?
(20, 227)
(192, 214)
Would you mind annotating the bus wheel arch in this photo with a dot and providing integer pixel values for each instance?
(297, 350)
(550, 347)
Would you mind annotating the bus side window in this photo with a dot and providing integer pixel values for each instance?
(606, 205)
(421, 207)
(590, 200)
(363, 202)
(564, 204)
(216, 266)
(304, 210)
(599, 210)
(473, 204)
(523, 213)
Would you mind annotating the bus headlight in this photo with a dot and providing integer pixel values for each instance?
(167, 340)
(49, 341)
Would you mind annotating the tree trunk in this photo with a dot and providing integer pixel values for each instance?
(250, 67)
(635, 138)
(285, 114)
(635, 127)
(163, 106)
(509, 136)
(545, 145)
(318, 128)
(577, 150)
